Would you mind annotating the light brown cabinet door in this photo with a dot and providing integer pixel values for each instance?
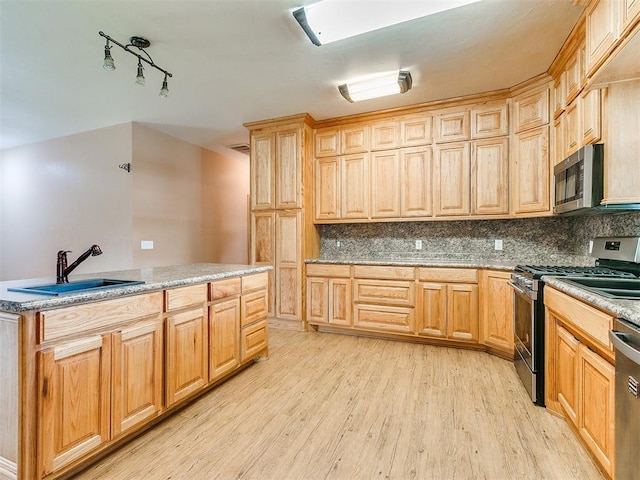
(385, 184)
(462, 312)
(354, 140)
(452, 178)
(263, 248)
(415, 182)
(416, 130)
(340, 301)
(385, 135)
(354, 186)
(262, 171)
(490, 176)
(317, 300)
(591, 115)
(432, 319)
(573, 76)
(572, 132)
(596, 411)
(559, 152)
(630, 12)
(497, 311)
(603, 29)
(489, 120)
(558, 95)
(137, 375)
(327, 188)
(288, 169)
(531, 178)
(566, 363)
(74, 403)
(288, 265)
(531, 110)
(224, 334)
(327, 143)
(452, 126)
(187, 354)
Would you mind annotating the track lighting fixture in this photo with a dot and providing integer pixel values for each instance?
(140, 43)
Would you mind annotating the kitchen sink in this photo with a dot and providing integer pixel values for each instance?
(79, 286)
(623, 288)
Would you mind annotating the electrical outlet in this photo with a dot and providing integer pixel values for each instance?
(590, 246)
(418, 244)
(146, 245)
(497, 245)
(338, 243)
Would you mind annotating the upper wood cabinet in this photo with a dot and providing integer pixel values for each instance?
(559, 96)
(416, 130)
(354, 140)
(490, 176)
(354, 186)
(603, 24)
(530, 172)
(452, 126)
(415, 182)
(531, 109)
(452, 175)
(572, 133)
(559, 150)
(591, 116)
(630, 13)
(385, 135)
(490, 120)
(385, 184)
(573, 76)
(327, 142)
(276, 170)
(327, 188)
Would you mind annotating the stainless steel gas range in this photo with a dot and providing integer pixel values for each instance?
(529, 316)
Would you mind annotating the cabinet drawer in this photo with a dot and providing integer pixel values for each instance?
(255, 282)
(254, 340)
(184, 296)
(392, 319)
(385, 292)
(582, 317)
(101, 315)
(326, 270)
(225, 288)
(254, 307)
(384, 273)
(466, 275)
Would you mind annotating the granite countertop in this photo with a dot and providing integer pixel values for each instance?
(625, 309)
(422, 262)
(156, 278)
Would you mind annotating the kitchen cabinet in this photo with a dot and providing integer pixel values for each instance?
(262, 171)
(558, 94)
(489, 120)
(448, 303)
(559, 150)
(490, 176)
(416, 130)
(573, 76)
(572, 131)
(254, 335)
(224, 335)
(630, 13)
(496, 312)
(531, 109)
(385, 184)
(602, 19)
(281, 233)
(75, 403)
(329, 294)
(416, 182)
(452, 125)
(591, 116)
(354, 139)
(452, 179)
(354, 186)
(530, 178)
(580, 377)
(385, 135)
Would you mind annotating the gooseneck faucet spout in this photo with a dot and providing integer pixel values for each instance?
(62, 271)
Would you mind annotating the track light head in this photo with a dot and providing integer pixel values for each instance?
(108, 63)
(140, 76)
(164, 91)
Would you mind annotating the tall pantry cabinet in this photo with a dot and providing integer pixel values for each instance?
(281, 229)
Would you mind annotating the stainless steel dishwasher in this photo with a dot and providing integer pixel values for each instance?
(626, 340)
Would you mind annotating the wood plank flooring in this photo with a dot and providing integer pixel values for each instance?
(327, 406)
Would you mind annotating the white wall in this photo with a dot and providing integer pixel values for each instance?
(67, 193)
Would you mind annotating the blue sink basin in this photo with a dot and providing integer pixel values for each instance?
(75, 287)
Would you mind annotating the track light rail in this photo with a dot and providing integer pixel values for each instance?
(140, 57)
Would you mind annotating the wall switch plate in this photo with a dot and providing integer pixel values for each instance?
(590, 246)
(497, 245)
(418, 244)
(338, 243)
(146, 245)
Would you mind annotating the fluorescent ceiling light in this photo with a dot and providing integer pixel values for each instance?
(331, 20)
(376, 86)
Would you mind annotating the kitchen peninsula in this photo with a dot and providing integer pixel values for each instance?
(82, 373)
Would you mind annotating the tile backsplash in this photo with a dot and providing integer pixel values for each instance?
(552, 240)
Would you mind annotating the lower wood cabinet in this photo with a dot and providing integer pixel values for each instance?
(496, 312)
(224, 335)
(187, 354)
(580, 376)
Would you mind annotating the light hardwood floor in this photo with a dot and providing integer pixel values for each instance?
(327, 406)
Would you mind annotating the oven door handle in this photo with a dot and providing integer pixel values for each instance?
(518, 289)
(619, 342)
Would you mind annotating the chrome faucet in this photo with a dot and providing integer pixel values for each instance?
(62, 271)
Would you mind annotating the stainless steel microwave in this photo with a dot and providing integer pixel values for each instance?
(578, 180)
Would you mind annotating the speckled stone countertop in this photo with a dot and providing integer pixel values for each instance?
(625, 309)
(156, 278)
(422, 262)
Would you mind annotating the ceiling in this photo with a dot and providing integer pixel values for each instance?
(237, 61)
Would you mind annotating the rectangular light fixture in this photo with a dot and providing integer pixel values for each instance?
(332, 20)
(376, 86)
